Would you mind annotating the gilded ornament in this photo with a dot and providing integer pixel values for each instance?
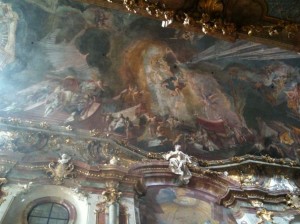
(95, 133)
(237, 159)
(213, 9)
(290, 29)
(247, 180)
(264, 215)
(68, 141)
(293, 201)
(111, 195)
(211, 172)
(130, 5)
(61, 170)
(256, 203)
(273, 31)
(255, 198)
(292, 163)
(268, 159)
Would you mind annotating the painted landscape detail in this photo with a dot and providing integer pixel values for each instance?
(153, 87)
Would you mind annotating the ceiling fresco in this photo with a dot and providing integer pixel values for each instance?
(77, 65)
(184, 127)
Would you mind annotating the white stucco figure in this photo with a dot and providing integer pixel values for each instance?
(64, 159)
(113, 161)
(178, 164)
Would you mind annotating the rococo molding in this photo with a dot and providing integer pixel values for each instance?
(106, 145)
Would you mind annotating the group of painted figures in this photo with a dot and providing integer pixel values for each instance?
(127, 115)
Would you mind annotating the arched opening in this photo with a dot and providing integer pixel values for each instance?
(48, 213)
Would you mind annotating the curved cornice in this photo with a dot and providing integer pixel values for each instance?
(117, 145)
(142, 175)
(137, 170)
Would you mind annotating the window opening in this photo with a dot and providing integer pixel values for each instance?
(48, 213)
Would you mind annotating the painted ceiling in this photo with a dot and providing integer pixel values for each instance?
(82, 66)
(95, 83)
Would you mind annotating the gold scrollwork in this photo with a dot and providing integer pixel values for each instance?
(290, 29)
(111, 195)
(61, 170)
(293, 201)
(264, 215)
